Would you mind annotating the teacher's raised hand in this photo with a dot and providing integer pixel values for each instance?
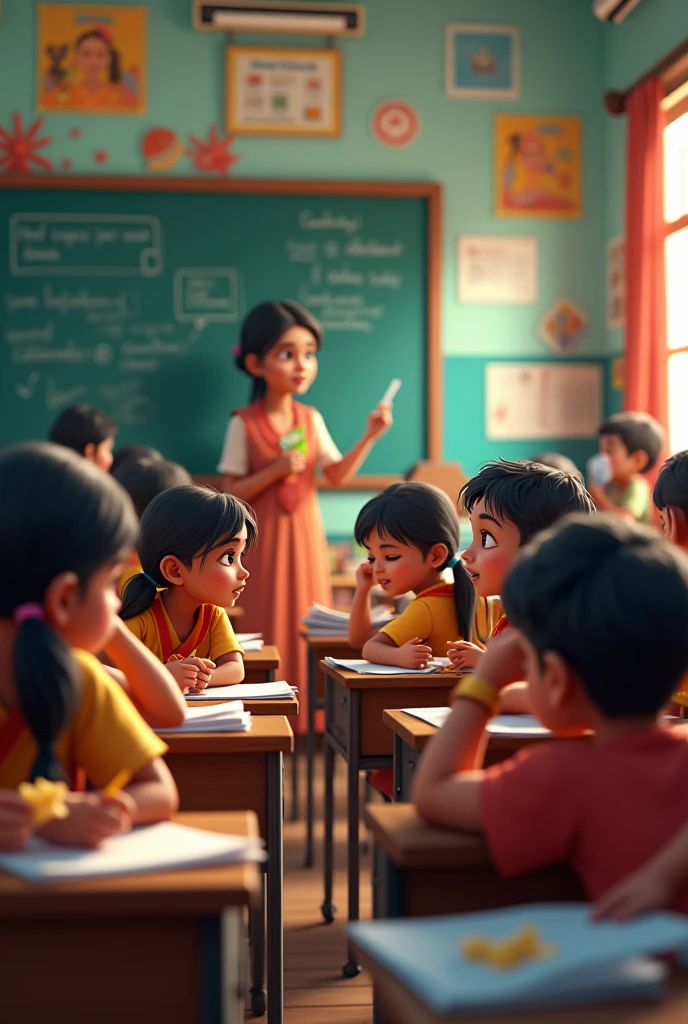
(379, 421)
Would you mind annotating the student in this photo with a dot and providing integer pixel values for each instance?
(143, 479)
(671, 499)
(561, 462)
(631, 442)
(64, 526)
(87, 431)
(597, 608)
(509, 502)
(411, 534)
(273, 448)
(133, 451)
(191, 544)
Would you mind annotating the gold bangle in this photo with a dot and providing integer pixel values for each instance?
(478, 690)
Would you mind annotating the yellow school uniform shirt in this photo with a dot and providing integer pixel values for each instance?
(105, 735)
(431, 616)
(132, 567)
(220, 638)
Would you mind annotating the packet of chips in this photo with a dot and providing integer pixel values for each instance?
(294, 441)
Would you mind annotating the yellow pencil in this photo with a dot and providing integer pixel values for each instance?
(119, 782)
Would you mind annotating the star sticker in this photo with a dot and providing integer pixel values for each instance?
(213, 155)
(18, 150)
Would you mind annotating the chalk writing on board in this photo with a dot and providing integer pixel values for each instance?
(60, 398)
(371, 247)
(131, 407)
(70, 353)
(210, 292)
(327, 221)
(342, 312)
(119, 245)
(301, 252)
(37, 335)
(26, 391)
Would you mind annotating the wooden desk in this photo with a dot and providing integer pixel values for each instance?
(319, 647)
(167, 946)
(288, 706)
(260, 666)
(411, 736)
(354, 704)
(243, 771)
(401, 1006)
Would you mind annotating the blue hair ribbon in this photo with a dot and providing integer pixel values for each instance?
(454, 560)
(154, 582)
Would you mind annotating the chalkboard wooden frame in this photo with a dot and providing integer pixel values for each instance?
(429, 191)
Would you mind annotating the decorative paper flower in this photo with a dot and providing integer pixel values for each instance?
(213, 155)
(46, 798)
(18, 150)
(504, 954)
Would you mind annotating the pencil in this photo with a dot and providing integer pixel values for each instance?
(119, 782)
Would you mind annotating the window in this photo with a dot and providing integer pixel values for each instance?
(676, 257)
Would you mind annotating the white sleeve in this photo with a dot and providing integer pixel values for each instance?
(328, 452)
(234, 458)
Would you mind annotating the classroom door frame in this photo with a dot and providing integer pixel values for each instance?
(431, 192)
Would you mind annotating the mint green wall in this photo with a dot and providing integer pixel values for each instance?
(402, 55)
(649, 32)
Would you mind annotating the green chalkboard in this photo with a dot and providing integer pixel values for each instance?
(128, 294)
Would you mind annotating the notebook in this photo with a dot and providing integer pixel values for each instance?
(251, 642)
(227, 717)
(593, 962)
(245, 691)
(161, 847)
(370, 668)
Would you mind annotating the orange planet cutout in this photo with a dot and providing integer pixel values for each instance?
(162, 149)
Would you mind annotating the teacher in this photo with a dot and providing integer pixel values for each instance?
(272, 450)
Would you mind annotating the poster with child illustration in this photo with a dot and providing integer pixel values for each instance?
(91, 58)
(538, 166)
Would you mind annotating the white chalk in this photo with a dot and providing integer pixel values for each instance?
(391, 392)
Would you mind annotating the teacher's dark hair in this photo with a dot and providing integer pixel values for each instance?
(263, 328)
(421, 516)
(186, 522)
(59, 513)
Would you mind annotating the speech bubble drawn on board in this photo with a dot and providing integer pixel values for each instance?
(210, 293)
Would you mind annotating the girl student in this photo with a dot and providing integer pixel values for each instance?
(191, 545)
(272, 450)
(64, 527)
(411, 533)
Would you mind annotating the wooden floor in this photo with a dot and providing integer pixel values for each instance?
(315, 992)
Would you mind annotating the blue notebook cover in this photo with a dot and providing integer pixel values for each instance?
(593, 963)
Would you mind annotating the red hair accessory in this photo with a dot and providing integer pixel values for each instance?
(236, 351)
(107, 35)
(29, 610)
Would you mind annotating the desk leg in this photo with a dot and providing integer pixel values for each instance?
(351, 967)
(310, 756)
(328, 908)
(396, 774)
(275, 838)
(257, 927)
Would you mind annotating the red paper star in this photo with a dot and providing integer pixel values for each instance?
(66, 164)
(18, 150)
(212, 155)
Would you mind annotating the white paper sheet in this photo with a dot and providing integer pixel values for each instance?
(245, 691)
(498, 269)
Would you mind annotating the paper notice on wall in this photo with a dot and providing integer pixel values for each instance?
(498, 269)
(542, 400)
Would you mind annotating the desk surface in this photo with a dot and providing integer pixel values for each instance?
(266, 660)
(288, 706)
(403, 1007)
(412, 731)
(409, 842)
(268, 735)
(325, 643)
(207, 889)
(359, 681)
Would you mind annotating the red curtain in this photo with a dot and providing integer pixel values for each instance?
(646, 356)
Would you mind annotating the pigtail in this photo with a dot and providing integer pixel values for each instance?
(138, 596)
(115, 66)
(48, 686)
(258, 389)
(464, 601)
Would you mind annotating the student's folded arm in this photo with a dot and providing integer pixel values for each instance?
(229, 669)
(381, 650)
(147, 682)
(446, 785)
(360, 628)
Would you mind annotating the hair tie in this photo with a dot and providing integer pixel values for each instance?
(236, 351)
(29, 610)
(154, 582)
(454, 560)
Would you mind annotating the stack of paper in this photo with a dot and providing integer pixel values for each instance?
(590, 962)
(161, 847)
(245, 691)
(370, 668)
(227, 717)
(322, 621)
(251, 642)
(516, 726)
(433, 716)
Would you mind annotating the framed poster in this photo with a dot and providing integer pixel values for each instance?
(542, 400)
(273, 91)
(482, 62)
(537, 166)
(616, 282)
(91, 59)
(498, 269)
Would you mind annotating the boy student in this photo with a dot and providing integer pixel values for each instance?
(87, 431)
(598, 610)
(508, 502)
(632, 442)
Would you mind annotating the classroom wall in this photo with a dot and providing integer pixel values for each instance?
(631, 48)
(402, 55)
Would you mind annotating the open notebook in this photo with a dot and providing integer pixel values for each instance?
(161, 847)
(369, 668)
(592, 963)
(245, 691)
(227, 717)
